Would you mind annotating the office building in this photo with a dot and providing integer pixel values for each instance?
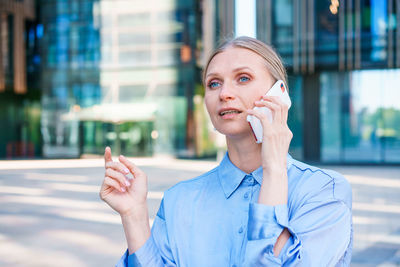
(118, 73)
(19, 92)
(78, 75)
(343, 61)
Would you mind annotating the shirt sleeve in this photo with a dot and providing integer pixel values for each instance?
(156, 251)
(321, 233)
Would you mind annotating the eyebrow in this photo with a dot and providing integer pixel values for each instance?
(235, 70)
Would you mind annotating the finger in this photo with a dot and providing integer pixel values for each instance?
(132, 167)
(118, 167)
(118, 177)
(114, 184)
(274, 107)
(107, 155)
(265, 121)
(273, 98)
(284, 107)
(285, 112)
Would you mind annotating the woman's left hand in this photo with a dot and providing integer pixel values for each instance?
(275, 146)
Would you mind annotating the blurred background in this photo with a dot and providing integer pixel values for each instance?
(79, 75)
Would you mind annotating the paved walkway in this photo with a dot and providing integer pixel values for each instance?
(51, 215)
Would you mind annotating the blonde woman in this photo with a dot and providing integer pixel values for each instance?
(259, 207)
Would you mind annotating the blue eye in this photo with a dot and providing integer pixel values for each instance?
(213, 84)
(244, 79)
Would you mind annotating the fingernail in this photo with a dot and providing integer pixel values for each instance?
(123, 189)
(127, 183)
(126, 170)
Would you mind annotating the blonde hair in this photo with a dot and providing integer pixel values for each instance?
(272, 60)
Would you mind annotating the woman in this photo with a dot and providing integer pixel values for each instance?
(259, 207)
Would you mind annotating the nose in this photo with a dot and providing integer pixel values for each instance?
(226, 93)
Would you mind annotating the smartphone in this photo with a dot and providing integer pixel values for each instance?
(278, 89)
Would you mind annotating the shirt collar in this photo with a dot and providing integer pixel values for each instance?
(231, 176)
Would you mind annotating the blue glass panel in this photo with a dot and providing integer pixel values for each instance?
(378, 29)
(39, 30)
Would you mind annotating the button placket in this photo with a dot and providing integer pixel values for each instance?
(251, 180)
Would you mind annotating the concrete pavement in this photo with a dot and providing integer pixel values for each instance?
(51, 214)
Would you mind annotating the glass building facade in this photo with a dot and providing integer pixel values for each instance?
(343, 61)
(117, 73)
(19, 89)
(79, 75)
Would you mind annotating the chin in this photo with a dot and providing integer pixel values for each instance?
(234, 132)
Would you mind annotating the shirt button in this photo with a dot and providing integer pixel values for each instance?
(246, 195)
(240, 230)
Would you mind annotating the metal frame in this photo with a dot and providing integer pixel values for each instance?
(296, 65)
(342, 35)
(349, 34)
(268, 37)
(398, 34)
(357, 37)
(21, 11)
(2, 71)
(390, 47)
(303, 36)
(311, 40)
(264, 20)
(208, 21)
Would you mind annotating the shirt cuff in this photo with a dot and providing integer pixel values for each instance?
(144, 255)
(266, 222)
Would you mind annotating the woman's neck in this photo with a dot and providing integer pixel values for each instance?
(244, 153)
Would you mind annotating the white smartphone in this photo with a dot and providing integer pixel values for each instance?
(278, 89)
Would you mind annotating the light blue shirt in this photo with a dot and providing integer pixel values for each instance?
(215, 220)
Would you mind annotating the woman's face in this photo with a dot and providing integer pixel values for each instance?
(235, 79)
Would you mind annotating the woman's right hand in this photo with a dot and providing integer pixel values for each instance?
(126, 196)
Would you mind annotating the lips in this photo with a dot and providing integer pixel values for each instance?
(227, 111)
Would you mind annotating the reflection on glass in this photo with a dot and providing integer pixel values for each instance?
(331, 87)
(327, 33)
(376, 103)
(360, 116)
(283, 28)
(378, 29)
(295, 116)
(111, 76)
